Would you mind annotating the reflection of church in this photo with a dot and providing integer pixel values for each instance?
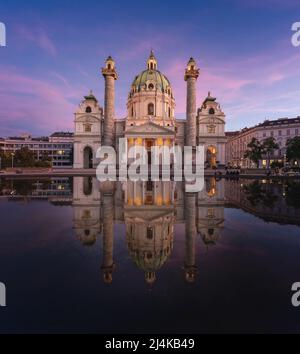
(150, 119)
(150, 211)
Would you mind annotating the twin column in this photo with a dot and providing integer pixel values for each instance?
(110, 75)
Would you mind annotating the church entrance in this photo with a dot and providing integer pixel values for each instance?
(87, 158)
(211, 156)
(149, 144)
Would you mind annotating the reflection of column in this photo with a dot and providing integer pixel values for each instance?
(107, 192)
(190, 237)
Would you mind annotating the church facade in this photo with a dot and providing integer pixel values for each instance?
(150, 119)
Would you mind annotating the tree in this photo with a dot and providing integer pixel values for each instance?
(269, 145)
(293, 149)
(24, 158)
(5, 159)
(258, 194)
(254, 152)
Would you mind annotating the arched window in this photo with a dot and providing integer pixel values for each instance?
(211, 111)
(88, 109)
(151, 109)
(169, 112)
(151, 66)
(132, 111)
(109, 66)
(151, 87)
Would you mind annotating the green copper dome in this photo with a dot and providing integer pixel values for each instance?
(154, 76)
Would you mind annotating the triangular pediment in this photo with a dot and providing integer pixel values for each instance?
(148, 129)
(211, 120)
(87, 118)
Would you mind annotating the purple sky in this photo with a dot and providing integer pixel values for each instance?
(55, 51)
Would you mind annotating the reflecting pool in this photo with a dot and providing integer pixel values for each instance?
(146, 257)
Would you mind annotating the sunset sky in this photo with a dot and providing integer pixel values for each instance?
(55, 50)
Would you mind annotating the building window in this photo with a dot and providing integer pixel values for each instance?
(88, 109)
(149, 233)
(151, 109)
(151, 87)
(279, 132)
(211, 128)
(211, 111)
(87, 128)
(288, 132)
(169, 112)
(296, 131)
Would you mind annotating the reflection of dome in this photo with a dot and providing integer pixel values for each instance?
(150, 277)
(151, 77)
(150, 261)
(149, 235)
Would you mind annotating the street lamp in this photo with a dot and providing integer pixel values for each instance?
(12, 160)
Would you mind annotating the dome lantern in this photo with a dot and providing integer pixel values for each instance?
(152, 62)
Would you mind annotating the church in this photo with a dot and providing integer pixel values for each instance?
(150, 119)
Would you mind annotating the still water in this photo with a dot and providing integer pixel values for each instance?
(80, 256)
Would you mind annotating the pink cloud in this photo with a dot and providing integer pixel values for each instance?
(140, 48)
(244, 86)
(31, 103)
(38, 37)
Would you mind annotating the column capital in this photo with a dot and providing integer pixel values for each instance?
(110, 68)
(191, 70)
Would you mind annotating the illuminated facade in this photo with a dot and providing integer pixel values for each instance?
(150, 119)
